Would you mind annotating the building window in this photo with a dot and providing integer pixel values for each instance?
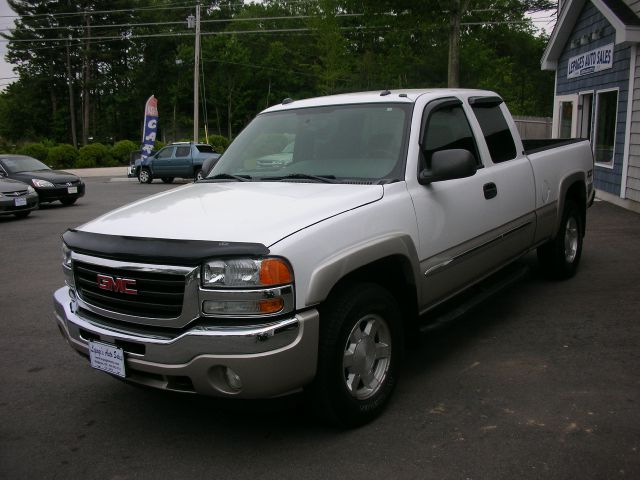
(605, 130)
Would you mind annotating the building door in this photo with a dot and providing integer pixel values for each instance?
(586, 115)
(565, 117)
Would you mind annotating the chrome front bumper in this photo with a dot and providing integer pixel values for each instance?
(273, 358)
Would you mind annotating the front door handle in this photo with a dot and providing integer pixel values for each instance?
(490, 190)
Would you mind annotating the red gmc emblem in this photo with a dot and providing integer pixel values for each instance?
(117, 284)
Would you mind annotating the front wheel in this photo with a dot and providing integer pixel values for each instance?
(359, 355)
(559, 258)
(68, 201)
(22, 214)
(144, 176)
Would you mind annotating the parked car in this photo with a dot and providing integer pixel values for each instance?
(51, 185)
(178, 160)
(255, 283)
(16, 198)
(277, 160)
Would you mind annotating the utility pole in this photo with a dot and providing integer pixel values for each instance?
(72, 108)
(196, 72)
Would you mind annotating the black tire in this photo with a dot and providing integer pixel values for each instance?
(198, 175)
(68, 201)
(22, 214)
(144, 176)
(357, 372)
(167, 179)
(559, 258)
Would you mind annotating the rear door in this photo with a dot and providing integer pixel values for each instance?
(181, 162)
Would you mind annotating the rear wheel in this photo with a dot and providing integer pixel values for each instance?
(198, 176)
(68, 201)
(144, 176)
(560, 257)
(167, 179)
(359, 355)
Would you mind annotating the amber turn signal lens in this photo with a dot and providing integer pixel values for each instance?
(274, 271)
(272, 305)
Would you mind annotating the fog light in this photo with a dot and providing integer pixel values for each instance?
(233, 379)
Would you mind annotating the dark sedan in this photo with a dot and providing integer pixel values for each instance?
(51, 185)
(16, 198)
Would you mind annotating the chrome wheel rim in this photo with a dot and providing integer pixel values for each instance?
(571, 240)
(144, 176)
(367, 356)
(199, 175)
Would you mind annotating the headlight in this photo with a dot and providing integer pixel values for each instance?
(30, 189)
(41, 183)
(244, 272)
(66, 256)
(243, 287)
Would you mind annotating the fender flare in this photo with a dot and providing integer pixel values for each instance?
(329, 272)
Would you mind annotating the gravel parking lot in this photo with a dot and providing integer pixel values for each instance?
(540, 381)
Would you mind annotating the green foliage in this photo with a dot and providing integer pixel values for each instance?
(95, 155)
(35, 150)
(219, 142)
(121, 151)
(63, 156)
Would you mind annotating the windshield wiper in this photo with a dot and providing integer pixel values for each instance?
(304, 176)
(228, 176)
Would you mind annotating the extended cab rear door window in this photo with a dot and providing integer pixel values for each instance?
(494, 128)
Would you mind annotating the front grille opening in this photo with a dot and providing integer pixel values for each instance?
(131, 347)
(156, 295)
(88, 336)
(183, 384)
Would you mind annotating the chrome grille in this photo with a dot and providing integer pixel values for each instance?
(158, 295)
(18, 193)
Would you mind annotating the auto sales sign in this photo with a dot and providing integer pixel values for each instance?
(591, 62)
(150, 126)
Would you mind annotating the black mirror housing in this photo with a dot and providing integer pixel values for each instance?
(449, 165)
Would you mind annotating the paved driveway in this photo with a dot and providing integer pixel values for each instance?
(541, 381)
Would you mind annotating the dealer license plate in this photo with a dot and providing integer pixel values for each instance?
(107, 358)
(21, 202)
(72, 189)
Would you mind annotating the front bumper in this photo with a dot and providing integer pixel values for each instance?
(8, 204)
(51, 194)
(272, 359)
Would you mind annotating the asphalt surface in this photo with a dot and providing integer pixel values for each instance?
(541, 381)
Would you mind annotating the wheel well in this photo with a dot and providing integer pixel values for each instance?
(395, 274)
(578, 194)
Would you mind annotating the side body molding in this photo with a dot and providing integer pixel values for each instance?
(329, 272)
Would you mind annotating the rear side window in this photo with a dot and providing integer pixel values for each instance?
(496, 132)
(205, 149)
(183, 151)
(448, 128)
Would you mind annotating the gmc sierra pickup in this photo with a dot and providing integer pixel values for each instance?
(259, 281)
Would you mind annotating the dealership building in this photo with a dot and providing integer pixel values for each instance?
(594, 53)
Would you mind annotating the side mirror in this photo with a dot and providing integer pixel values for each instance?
(208, 165)
(449, 165)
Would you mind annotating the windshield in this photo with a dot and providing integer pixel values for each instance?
(22, 164)
(337, 142)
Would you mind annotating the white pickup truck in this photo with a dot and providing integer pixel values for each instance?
(309, 273)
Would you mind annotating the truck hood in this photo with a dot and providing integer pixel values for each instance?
(234, 212)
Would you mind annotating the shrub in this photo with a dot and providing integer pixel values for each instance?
(121, 150)
(219, 142)
(62, 156)
(35, 150)
(95, 155)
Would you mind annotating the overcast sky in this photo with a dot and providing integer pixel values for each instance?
(5, 23)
